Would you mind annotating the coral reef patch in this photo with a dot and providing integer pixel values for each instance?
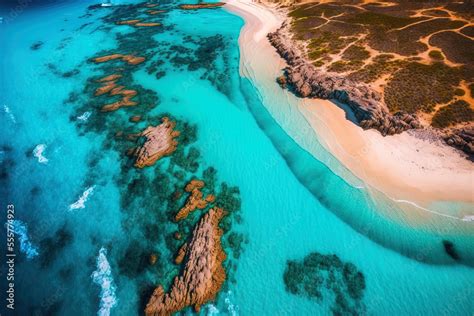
(326, 277)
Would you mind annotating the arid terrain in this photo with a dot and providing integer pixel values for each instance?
(417, 56)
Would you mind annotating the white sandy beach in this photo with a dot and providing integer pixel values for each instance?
(403, 167)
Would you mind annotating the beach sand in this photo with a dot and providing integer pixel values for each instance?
(404, 167)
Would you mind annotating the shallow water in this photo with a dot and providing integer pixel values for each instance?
(75, 198)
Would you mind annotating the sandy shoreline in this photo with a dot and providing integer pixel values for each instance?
(403, 167)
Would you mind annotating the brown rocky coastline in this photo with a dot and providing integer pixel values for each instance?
(203, 274)
(305, 80)
(160, 142)
(462, 139)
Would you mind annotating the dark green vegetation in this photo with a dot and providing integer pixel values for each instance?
(339, 37)
(326, 277)
(455, 112)
(456, 47)
(420, 87)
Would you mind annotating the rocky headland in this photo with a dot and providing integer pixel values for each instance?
(396, 67)
(203, 274)
(307, 81)
(160, 142)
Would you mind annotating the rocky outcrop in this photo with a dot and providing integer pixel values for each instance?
(132, 60)
(160, 142)
(153, 258)
(195, 199)
(135, 118)
(203, 274)
(127, 22)
(306, 81)
(181, 253)
(137, 23)
(201, 6)
(154, 12)
(109, 86)
(462, 139)
(147, 24)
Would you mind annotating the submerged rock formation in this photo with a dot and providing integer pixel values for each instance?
(305, 80)
(160, 141)
(194, 200)
(181, 253)
(153, 12)
(135, 118)
(137, 23)
(127, 22)
(132, 60)
(201, 6)
(203, 274)
(109, 86)
(147, 24)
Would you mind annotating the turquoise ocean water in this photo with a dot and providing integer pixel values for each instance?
(80, 246)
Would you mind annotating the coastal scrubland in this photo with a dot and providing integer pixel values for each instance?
(418, 55)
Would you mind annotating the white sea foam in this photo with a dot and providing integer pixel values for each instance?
(212, 310)
(9, 113)
(84, 117)
(81, 202)
(26, 247)
(231, 307)
(425, 209)
(103, 277)
(38, 153)
(468, 218)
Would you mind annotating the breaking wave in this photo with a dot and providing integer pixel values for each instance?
(212, 310)
(7, 110)
(84, 117)
(103, 277)
(26, 247)
(38, 153)
(468, 218)
(231, 307)
(81, 202)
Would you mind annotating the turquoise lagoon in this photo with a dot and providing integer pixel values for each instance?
(292, 204)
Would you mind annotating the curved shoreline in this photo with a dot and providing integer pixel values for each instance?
(403, 167)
